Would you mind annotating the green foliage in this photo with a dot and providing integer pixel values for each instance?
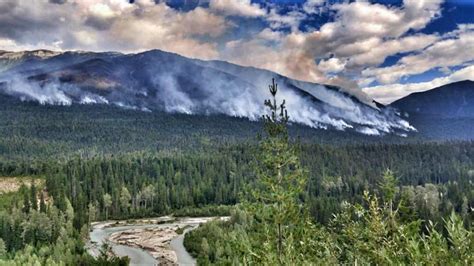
(3, 249)
(205, 211)
(196, 179)
(372, 235)
(107, 202)
(106, 257)
(364, 234)
(10, 199)
(271, 226)
(275, 203)
(125, 199)
(34, 196)
(388, 186)
(42, 237)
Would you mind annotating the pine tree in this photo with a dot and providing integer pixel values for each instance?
(3, 249)
(281, 179)
(107, 203)
(42, 206)
(388, 187)
(26, 200)
(34, 199)
(125, 199)
(92, 211)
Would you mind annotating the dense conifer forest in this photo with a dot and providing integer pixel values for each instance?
(361, 199)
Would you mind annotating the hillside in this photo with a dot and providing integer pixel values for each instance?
(29, 130)
(454, 100)
(446, 112)
(166, 82)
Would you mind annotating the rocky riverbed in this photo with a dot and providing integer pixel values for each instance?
(154, 241)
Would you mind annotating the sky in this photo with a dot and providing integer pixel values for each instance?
(386, 48)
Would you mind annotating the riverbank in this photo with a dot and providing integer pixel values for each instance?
(152, 241)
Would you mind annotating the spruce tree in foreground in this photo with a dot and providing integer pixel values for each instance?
(277, 205)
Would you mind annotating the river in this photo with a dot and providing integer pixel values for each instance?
(102, 231)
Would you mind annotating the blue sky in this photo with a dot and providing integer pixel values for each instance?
(387, 49)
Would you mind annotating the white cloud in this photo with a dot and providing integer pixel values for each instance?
(313, 6)
(332, 65)
(8, 44)
(290, 20)
(11, 45)
(456, 49)
(362, 20)
(167, 29)
(270, 35)
(362, 35)
(389, 93)
(112, 25)
(380, 50)
(238, 8)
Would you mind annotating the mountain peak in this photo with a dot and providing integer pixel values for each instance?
(33, 53)
(452, 100)
(463, 82)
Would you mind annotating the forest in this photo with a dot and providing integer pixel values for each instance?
(356, 199)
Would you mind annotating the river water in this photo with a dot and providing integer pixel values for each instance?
(101, 231)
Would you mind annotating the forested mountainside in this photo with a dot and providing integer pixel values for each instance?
(454, 100)
(160, 81)
(101, 162)
(31, 130)
(445, 112)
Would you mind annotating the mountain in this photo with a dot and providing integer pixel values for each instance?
(160, 81)
(454, 100)
(446, 112)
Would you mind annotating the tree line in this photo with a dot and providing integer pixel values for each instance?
(144, 184)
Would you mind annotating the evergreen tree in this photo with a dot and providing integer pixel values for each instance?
(92, 211)
(107, 200)
(3, 249)
(26, 200)
(34, 195)
(280, 184)
(125, 198)
(42, 206)
(388, 188)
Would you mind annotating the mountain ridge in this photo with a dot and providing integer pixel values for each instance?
(159, 80)
(453, 100)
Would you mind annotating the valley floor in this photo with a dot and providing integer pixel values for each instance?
(147, 241)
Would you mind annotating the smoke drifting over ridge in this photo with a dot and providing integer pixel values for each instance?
(168, 82)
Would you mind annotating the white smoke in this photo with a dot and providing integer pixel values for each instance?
(178, 85)
(175, 101)
(368, 131)
(93, 99)
(29, 91)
